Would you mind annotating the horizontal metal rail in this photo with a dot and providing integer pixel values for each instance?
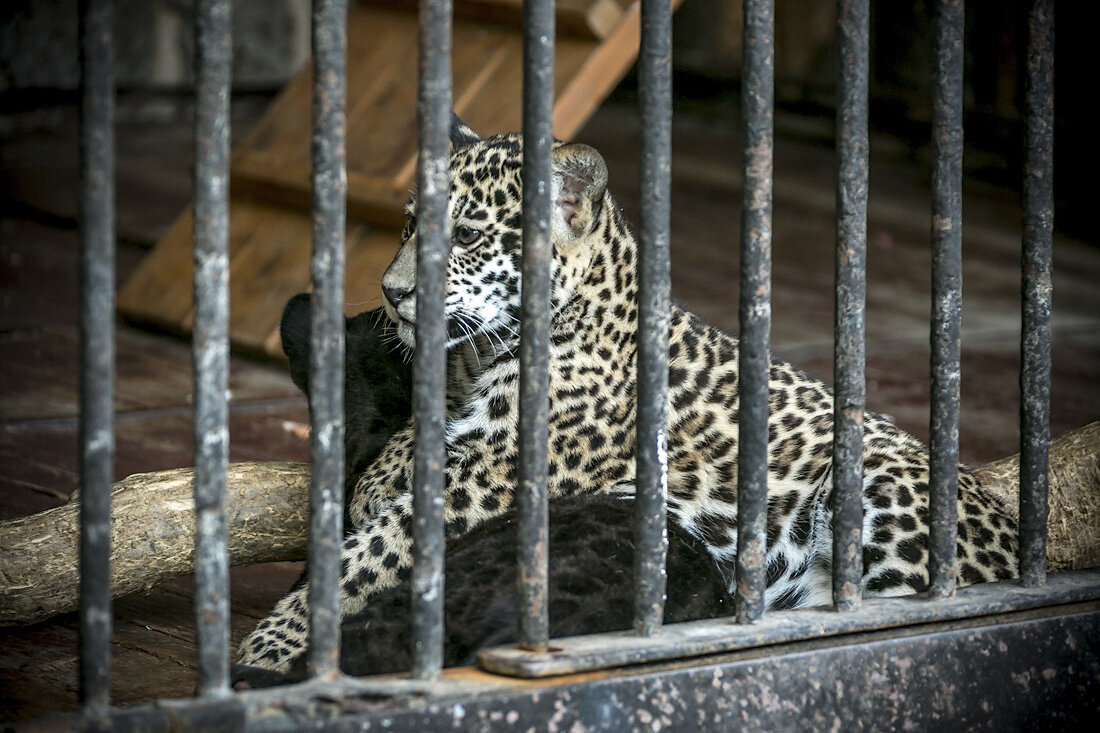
(991, 671)
(696, 638)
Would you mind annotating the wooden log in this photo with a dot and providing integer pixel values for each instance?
(267, 507)
(153, 536)
(1073, 525)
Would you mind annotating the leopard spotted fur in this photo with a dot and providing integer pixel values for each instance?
(592, 410)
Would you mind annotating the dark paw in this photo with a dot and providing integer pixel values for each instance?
(246, 677)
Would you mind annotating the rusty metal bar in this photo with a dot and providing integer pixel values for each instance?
(654, 301)
(947, 148)
(1037, 287)
(210, 340)
(851, 287)
(97, 348)
(534, 350)
(757, 100)
(326, 364)
(433, 232)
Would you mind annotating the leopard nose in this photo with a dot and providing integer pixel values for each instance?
(395, 295)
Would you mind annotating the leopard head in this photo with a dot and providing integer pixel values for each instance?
(484, 268)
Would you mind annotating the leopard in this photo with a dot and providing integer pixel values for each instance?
(593, 344)
(591, 559)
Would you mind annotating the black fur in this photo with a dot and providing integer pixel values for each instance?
(377, 381)
(591, 543)
(591, 590)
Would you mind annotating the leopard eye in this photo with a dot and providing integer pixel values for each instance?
(466, 236)
(410, 226)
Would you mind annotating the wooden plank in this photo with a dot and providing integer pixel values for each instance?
(370, 198)
(592, 20)
(369, 252)
(597, 72)
(159, 291)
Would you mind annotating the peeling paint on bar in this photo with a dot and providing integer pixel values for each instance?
(947, 148)
(326, 367)
(534, 376)
(210, 340)
(758, 83)
(1037, 291)
(97, 348)
(851, 288)
(430, 365)
(654, 302)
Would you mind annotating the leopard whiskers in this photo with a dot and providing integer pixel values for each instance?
(464, 322)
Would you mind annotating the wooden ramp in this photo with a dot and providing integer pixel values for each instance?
(270, 190)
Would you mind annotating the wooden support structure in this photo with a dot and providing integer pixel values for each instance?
(270, 176)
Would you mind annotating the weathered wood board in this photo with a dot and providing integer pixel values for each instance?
(270, 191)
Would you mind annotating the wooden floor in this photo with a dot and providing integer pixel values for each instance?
(153, 643)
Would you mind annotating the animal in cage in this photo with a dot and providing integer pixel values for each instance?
(593, 323)
(591, 581)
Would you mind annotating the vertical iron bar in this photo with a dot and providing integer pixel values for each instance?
(326, 365)
(210, 340)
(1037, 286)
(947, 147)
(433, 230)
(757, 96)
(97, 348)
(650, 518)
(534, 350)
(851, 288)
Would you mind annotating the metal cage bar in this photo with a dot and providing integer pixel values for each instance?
(210, 340)
(433, 231)
(947, 147)
(851, 288)
(326, 365)
(97, 348)
(757, 98)
(1037, 286)
(654, 302)
(534, 375)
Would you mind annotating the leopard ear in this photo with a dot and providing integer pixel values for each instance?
(580, 179)
(462, 134)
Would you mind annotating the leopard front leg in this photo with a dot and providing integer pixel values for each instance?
(375, 557)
